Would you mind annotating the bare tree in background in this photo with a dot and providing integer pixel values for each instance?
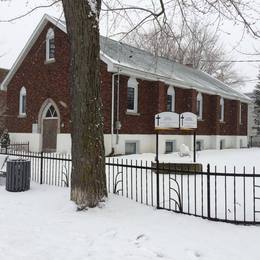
(196, 46)
(82, 17)
(256, 115)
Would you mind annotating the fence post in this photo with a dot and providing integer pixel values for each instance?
(208, 191)
(157, 172)
(41, 169)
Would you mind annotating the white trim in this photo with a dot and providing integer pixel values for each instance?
(133, 83)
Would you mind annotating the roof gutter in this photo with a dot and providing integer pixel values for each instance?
(178, 83)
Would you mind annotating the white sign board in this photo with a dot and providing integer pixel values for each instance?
(188, 120)
(166, 120)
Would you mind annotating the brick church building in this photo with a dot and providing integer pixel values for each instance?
(135, 86)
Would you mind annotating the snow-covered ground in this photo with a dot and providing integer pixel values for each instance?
(42, 224)
(239, 158)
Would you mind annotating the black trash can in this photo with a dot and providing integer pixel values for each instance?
(18, 175)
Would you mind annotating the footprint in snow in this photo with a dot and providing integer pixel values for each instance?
(110, 233)
(140, 238)
(193, 255)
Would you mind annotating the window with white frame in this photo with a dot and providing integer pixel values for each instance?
(199, 145)
(199, 104)
(240, 113)
(171, 99)
(221, 109)
(222, 144)
(50, 45)
(132, 95)
(131, 147)
(170, 146)
(22, 102)
(51, 112)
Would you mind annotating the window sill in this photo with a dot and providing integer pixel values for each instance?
(49, 61)
(22, 116)
(130, 113)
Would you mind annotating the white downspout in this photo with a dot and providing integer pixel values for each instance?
(112, 111)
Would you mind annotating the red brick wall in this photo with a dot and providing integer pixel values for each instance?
(149, 94)
(51, 80)
(3, 110)
(44, 81)
(41, 81)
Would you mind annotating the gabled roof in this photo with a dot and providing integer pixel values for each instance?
(137, 59)
(133, 61)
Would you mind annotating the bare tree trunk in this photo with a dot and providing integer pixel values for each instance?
(88, 181)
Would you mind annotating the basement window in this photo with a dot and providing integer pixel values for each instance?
(222, 144)
(199, 145)
(131, 147)
(170, 146)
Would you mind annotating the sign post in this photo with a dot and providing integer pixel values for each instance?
(194, 146)
(188, 121)
(157, 171)
(169, 121)
(163, 121)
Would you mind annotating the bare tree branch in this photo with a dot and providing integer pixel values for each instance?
(29, 12)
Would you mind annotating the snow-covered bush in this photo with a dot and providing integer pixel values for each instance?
(184, 150)
(5, 139)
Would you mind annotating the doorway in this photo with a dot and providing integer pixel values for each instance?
(50, 123)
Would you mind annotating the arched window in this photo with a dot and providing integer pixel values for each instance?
(132, 95)
(51, 112)
(22, 102)
(50, 45)
(240, 113)
(221, 109)
(170, 99)
(199, 106)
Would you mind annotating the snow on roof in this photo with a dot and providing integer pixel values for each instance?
(124, 55)
(144, 61)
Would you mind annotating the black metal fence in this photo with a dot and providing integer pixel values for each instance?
(16, 147)
(220, 196)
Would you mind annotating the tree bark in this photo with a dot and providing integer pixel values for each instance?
(88, 179)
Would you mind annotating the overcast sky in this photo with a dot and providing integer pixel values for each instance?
(15, 35)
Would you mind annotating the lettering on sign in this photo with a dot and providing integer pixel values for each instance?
(188, 120)
(167, 120)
